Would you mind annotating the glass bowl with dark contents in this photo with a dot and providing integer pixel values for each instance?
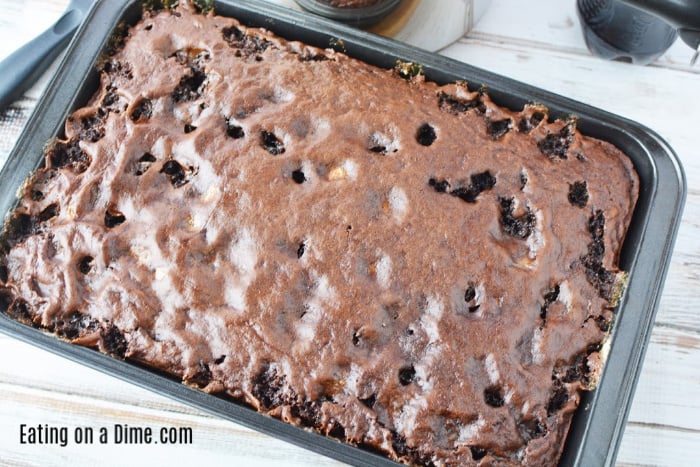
(360, 13)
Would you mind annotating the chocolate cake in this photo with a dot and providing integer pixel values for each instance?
(401, 265)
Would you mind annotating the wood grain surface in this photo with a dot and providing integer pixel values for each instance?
(535, 42)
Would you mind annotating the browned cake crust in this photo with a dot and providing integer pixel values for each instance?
(400, 265)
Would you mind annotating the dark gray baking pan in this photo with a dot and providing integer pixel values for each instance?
(600, 420)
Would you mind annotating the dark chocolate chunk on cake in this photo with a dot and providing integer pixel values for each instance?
(399, 265)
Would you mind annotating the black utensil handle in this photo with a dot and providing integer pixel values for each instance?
(690, 37)
(616, 30)
(683, 14)
(21, 69)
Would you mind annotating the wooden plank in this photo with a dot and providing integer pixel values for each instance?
(216, 441)
(52, 373)
(681, 298)
(553, 25)
(668, 391)
(653, 445)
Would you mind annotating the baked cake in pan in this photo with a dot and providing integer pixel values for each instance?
(404, 266)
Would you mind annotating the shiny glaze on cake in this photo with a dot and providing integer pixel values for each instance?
(401, 265)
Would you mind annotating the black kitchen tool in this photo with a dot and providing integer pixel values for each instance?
(639, 31)
(23, 67)
(599, 422)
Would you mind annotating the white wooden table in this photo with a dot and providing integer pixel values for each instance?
(536, 42)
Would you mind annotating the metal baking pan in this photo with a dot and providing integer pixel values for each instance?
(598, 424)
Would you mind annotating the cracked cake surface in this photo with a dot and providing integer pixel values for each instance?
(404, 266)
